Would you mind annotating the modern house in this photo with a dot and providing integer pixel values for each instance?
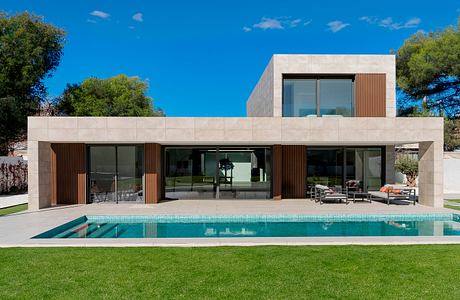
(310, 119)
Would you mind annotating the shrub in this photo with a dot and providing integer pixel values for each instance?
(408, 165)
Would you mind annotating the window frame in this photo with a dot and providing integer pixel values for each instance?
(318, 78)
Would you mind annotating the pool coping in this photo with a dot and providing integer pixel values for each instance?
(16, 230)
(239, 242)
(245, 241)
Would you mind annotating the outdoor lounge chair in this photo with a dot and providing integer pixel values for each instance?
(324, 194)
(405, 193)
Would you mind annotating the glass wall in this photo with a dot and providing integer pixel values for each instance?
(359, 168)
(190, 173)
(244, 173)
(116, 173)
(214, 172)
(102, 172)
(299, 97)
(364, 168)
(325, 166)
(336, 97)
(321, 96)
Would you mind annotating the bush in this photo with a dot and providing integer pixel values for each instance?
(408, 165)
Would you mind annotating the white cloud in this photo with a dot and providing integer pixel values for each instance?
(277, 23)
(295, 22)
(99, 14)
(413, 22)
(131, 27)
(268, 23)
(337, 25)
(138, 17)
(389, 23)
(91, 21)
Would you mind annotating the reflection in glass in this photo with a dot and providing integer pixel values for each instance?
(299, 97)
(130, 171)
(336, 97)
(102, 173)
(192, 173)
(325, 166)
(363, 168)
(116, 173)
(244, 173)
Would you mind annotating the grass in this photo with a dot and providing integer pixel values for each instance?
(454, 200)
(13, 209)
(350, 272)
(452, 206)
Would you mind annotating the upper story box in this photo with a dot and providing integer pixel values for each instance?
(326, 85)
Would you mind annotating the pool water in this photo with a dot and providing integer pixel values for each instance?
(161, 227)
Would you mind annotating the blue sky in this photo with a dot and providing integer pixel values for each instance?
(202, 58)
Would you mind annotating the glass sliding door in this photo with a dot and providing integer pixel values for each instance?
(190, 173)
(359, 168)
(325, 166)
(116, 173)
(244, 173)
(364, 168)
(373, 171)
(214, 172)
(130, 171)
(102, 174)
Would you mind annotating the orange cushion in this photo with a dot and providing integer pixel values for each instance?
(386, 189)
(396, 191)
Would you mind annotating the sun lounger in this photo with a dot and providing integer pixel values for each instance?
(406, 194)
(324, 194)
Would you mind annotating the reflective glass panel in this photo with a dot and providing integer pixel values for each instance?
(336, 97)
(299, 97)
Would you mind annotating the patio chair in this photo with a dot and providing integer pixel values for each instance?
(324, 194)
(389, 194)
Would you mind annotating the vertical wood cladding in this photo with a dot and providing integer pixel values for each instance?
(152, 163)
(370, 97)
(68, 173)
(277, 172)
(293, 171)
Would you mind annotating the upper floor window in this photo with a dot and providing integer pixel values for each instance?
(318, 96)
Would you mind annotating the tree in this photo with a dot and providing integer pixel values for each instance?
(451, 127)
(428, 65)
(407, 165)
(29, 51)
(116, 96)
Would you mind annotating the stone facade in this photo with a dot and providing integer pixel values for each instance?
(266, 98)
(263, 126)
(239, 131)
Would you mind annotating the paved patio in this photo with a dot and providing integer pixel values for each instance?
(17, 229)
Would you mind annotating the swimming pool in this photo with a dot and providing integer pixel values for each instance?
(183, 226)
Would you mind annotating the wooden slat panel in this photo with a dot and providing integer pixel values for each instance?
(294, 171)
(370, 97)
(68, 173)
(277, 172)
(152, 163)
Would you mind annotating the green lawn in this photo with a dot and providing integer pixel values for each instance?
(452, 206)
(346, 272)
(13, 209)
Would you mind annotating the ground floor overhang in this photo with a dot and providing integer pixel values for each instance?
(60, 157)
